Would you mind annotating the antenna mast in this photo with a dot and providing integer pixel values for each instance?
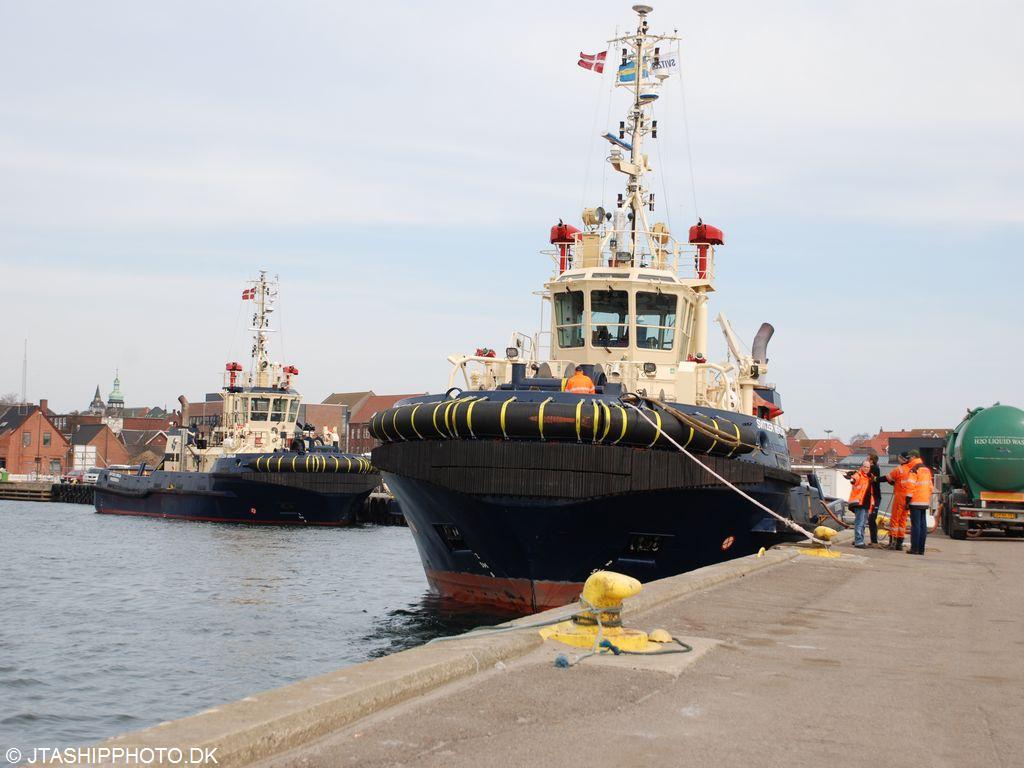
(260, 328)
(24, 374)
(637, 197)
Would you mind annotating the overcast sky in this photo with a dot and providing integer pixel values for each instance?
(399, 165)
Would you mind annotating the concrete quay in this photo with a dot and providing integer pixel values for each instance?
(873, 658)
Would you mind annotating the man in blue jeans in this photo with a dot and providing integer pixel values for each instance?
(860, 502)
(919, 497)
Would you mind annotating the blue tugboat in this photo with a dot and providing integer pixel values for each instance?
(536, 468)
(259, 465)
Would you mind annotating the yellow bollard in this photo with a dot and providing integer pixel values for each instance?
(601, 599)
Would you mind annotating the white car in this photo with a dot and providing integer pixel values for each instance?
(91, 476)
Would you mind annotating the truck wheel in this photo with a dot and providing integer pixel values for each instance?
(958, 535)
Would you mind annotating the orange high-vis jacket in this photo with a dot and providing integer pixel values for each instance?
(861, 482)
(898, 478)
(919, 482)
(581, 384)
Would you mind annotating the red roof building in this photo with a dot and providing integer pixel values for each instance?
(30, 443)
(97, 445)
(826, 452)
(880, 442)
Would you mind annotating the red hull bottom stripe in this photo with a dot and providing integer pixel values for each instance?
(246, 520)
(522, 594)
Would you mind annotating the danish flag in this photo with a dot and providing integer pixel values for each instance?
(248, 293)
(593, 61)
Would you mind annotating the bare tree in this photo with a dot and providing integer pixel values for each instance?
(10, 398)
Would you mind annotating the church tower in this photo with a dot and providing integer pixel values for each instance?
(114, 414)
(97, 407)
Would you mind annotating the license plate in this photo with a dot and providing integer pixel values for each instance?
(1004, 515)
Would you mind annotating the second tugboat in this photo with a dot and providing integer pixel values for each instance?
(545, 466)
(259, 465)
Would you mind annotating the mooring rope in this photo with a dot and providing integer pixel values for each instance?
(784, 520)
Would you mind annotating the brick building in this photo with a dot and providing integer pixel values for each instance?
(30, 442)
(331, 416)
(144, 446)
(107, 446)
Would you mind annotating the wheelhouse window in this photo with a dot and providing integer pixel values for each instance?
(260, 408)
(279, 409)
(655, 320)
(609, 318)
(569, 318)
(293, 410)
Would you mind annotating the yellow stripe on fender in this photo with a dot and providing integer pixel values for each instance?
(437, 428)
(280, 461)
(579, 416)
(447, 413)
(540, 416)
(657, 431)
(689, 439)
(623, 424)
(504, 407)
(469, 416)
(715, 441)
(608, 422)
(597, 412)
(735, 447)
(412, 420)
(394, 423)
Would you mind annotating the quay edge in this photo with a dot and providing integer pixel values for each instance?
(272, 722)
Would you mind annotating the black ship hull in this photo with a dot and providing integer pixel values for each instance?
(522, 525)
(252, 498)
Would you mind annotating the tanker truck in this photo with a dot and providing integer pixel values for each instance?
(982, 483)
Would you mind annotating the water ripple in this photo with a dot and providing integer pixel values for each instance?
(112, 623)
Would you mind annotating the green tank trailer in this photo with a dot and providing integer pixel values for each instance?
(982, 483)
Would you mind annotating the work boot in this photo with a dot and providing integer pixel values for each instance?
(899, 543)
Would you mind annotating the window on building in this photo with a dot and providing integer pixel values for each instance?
(46, 438)
(569, 318)
(26, 439)
(54, 466)
(655, 320)
(609, 318)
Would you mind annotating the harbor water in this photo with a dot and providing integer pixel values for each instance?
(109, 624)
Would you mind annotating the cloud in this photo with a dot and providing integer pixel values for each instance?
(400, 168)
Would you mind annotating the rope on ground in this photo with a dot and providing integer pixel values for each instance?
(784, 520)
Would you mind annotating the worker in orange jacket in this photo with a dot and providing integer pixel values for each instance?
(918, 489)
(860, 502)
(898, 514)
(579, 383)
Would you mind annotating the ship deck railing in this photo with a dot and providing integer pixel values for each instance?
(655, 250)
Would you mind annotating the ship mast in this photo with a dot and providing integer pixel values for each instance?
(639, 46)
(261, 374)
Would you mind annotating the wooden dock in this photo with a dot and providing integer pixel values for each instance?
(25, 491)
